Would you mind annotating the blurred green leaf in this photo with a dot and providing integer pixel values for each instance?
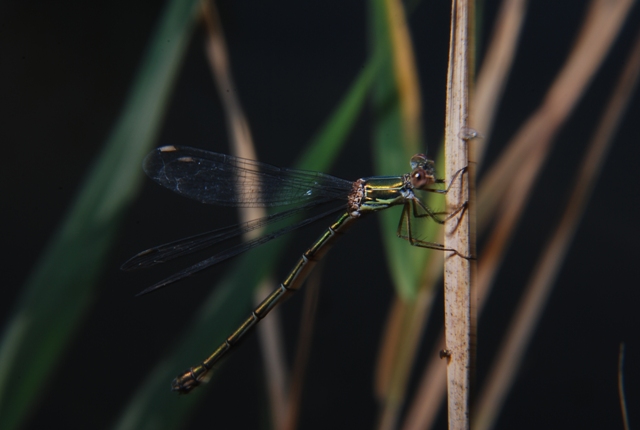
(154, 404)
(397, 134)
(59, 290)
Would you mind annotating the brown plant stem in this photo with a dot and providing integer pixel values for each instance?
(459, 327)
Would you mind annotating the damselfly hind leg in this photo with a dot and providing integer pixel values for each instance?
(404, 230)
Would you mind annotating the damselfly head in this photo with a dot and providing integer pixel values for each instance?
(423, 171)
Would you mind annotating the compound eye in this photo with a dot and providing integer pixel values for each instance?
(419, 178)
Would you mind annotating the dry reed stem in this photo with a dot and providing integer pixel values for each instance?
(394, 364)
(276, 373)
(457, 270)
(404, 332)
(603, 21)
(623, 403)
(269, 332)
(388, 346)
(535, 296)
(496, 66)
(428, 398)
(405, 71)
(303, 348)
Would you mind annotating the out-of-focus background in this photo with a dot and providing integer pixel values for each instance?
(67, 68)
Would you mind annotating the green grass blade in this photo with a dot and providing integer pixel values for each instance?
(324, 147)
(397, 135)
(231, 300)
(59, 290)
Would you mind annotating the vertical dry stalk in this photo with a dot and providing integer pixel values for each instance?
(491, 79)
(405, 71)
(401, 341)
(428, 398)
(242, 145)
(458, 274)
(303, 350)
(496, 65)
(402, 336)
(623, 403)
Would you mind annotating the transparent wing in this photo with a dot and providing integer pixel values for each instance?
(235, 250)
(169, 251)
(226, 180)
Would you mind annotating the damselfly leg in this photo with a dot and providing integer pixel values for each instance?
(415, 208)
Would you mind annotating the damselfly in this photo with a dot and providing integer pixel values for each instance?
(232, 181)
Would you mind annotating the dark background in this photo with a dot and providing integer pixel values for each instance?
(65, 71)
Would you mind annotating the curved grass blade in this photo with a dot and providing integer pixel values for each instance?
(397, 134)
(38, 332)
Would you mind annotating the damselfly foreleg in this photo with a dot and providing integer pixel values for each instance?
(442, 181)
